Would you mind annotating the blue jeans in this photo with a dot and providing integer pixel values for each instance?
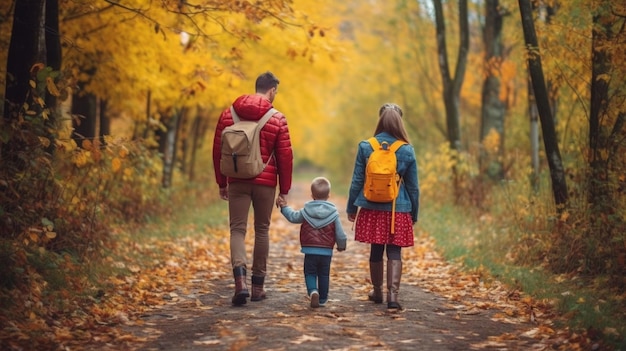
(317, 275)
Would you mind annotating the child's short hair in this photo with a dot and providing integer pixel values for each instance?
(320, 188)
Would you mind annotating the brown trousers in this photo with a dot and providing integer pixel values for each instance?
(240, 197)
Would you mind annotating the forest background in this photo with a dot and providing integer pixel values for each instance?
(110, 108)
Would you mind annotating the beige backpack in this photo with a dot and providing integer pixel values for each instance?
(241, 147)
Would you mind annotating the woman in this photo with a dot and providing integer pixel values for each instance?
(373, 224)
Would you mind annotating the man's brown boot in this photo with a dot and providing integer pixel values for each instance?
(258, 293)
(376, 275)
(241, 289)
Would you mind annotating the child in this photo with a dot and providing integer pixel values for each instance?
(320, 230)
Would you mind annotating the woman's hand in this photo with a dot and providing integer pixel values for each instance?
(351, 217)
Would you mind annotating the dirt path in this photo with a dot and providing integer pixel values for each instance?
(442, 311)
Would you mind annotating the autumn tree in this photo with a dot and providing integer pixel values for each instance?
(493, 93)
(545, 12)
(607, 134)
(452, 81)
(26, 129)
(557, 171)
(415, 65)
(129, 63)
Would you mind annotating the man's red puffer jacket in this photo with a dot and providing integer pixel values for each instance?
(274, 136)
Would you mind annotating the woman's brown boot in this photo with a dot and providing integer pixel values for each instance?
(376, 275)
(394, 273)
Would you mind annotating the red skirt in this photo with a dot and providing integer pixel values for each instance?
(374, 227)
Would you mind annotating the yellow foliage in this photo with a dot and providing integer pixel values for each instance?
(45, 142)
(116, 164)
(435, 172)
(123, 152)
(52, 88)
(80, 158)
(86, 144)
(491, 142)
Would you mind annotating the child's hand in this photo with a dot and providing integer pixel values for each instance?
(280, 202)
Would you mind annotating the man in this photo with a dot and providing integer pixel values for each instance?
(259, 191)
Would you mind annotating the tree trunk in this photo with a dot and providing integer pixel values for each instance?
(546, 12)
(534, 137)
(452, 84)
(169, 147)
(27, 140)
(146, 127)
(105, 121)
(606, 128)
(557, 172)
(493, 108)
(53, 44)
(27, 48)
(185, 134)
(84, 111)
(196, 135)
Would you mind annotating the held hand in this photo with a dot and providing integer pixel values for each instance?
(281, 200)
(224, 193)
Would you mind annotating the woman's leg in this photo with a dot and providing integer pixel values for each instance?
(394, 273)
(376, 273)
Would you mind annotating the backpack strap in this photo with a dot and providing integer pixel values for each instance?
(266, 117)
(394, 146)
(234, 114)
(374, 142)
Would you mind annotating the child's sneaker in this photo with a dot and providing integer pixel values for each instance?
(315, 299)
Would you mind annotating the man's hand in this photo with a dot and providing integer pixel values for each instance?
(224, 193)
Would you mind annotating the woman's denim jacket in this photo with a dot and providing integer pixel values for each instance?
(408, 198)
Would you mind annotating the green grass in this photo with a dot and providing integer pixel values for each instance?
(586, 303)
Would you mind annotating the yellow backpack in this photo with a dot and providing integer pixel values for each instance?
(382, 181)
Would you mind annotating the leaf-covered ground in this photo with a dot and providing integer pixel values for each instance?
(181, 301)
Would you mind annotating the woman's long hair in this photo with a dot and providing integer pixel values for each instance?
(390, 121)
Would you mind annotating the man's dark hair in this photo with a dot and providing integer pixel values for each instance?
(265, 82)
